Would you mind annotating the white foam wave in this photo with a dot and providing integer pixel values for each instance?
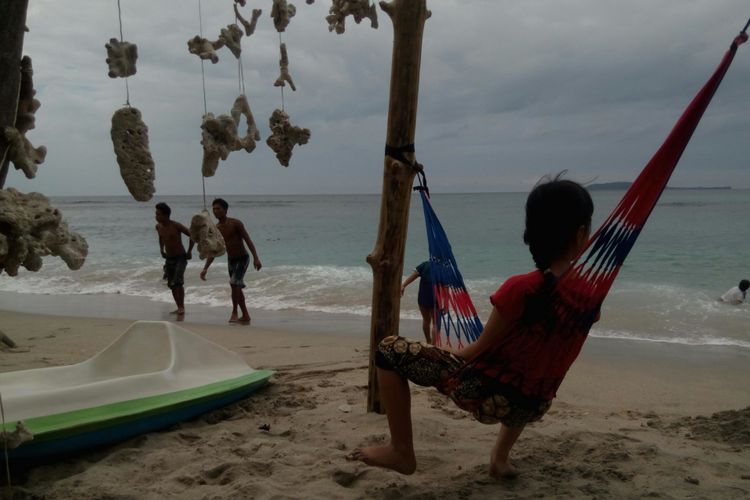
(633, 311)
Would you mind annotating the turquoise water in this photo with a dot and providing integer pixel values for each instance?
(313, 249)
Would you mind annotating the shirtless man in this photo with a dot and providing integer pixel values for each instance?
(235, 238)
(170, 245)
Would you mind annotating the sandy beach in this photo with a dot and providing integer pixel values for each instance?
(631, 420)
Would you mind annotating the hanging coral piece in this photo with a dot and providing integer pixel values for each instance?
(219, 138)
(282, 13)
(240, 108)
(359, 9)
(249, 26)
(231, 36)
(27, 103)
(285, 136)
(21, 152)
(204, 48)
(121, 57)
(130, 139)
(30, 229)
(206, 236)
(284, 66)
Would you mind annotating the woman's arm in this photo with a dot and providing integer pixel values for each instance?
(493, 330)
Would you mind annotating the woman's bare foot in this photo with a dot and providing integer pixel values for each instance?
(503, 470)
(245, 320)
(386, 457)
(233, 318)
(178, 312)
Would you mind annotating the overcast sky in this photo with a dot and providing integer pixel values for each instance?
(510, 90)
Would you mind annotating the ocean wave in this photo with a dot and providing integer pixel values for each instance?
(633, 310)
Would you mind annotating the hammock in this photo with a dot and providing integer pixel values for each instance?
(539, 366)
(455, 314)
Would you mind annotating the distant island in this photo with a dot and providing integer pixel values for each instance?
(621, 186)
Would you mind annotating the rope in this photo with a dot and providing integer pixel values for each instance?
(127, 89)
(282, 87)
(205, 104)
(240, 70)
(5, 450)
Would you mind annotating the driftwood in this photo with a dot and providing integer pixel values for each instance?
(6, 340)
(387, 259)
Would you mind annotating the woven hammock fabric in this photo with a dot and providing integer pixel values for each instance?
(455, 314)
(534, 359)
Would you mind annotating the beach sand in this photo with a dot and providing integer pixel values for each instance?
(631, 420)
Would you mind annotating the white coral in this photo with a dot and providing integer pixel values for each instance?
(31, 229)
(284, 75)
(282, 13)
(285, 136)
(121, 58)
(207, 237)
(130, 140)
(358, 9)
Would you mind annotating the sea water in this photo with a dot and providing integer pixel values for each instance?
(313, 248)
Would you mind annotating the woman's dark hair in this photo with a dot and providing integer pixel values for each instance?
(555, 210)
(164, 208)
(221, 202)
(744, 285)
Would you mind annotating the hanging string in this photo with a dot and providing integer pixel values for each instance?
(240, 70)
(127, 89)
(282, 87)
(205, 105)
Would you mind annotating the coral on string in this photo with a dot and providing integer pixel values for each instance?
(130, 140)
(285, 136)
(121, 58)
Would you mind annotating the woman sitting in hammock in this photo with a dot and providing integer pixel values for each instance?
(511, 374)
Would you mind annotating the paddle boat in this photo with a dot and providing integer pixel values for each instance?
(152, 376)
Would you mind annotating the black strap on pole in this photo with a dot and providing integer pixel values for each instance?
(398, 154)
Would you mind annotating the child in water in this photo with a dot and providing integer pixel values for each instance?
(530, 347)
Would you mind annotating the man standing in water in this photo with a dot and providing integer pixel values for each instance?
(170, 245)
(235, 239)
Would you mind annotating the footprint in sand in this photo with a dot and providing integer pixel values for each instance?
(347, 478)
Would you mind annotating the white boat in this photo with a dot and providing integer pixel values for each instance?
(154, 375)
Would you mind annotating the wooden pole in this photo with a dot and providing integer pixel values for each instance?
(387, 259)
(12, 27)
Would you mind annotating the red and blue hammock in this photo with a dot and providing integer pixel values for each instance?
(586, 284)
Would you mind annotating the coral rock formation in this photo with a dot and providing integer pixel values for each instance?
(240, 108)
(27, 104)
(22, 153)
(249, 26)
(231, 37)
(359, 9)
(219, 139)
(207, 237)
(285, 136)
(282, 13)
(30, 229)
(130, 139)
(204, 48)
(121, 57)
(284, 66)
